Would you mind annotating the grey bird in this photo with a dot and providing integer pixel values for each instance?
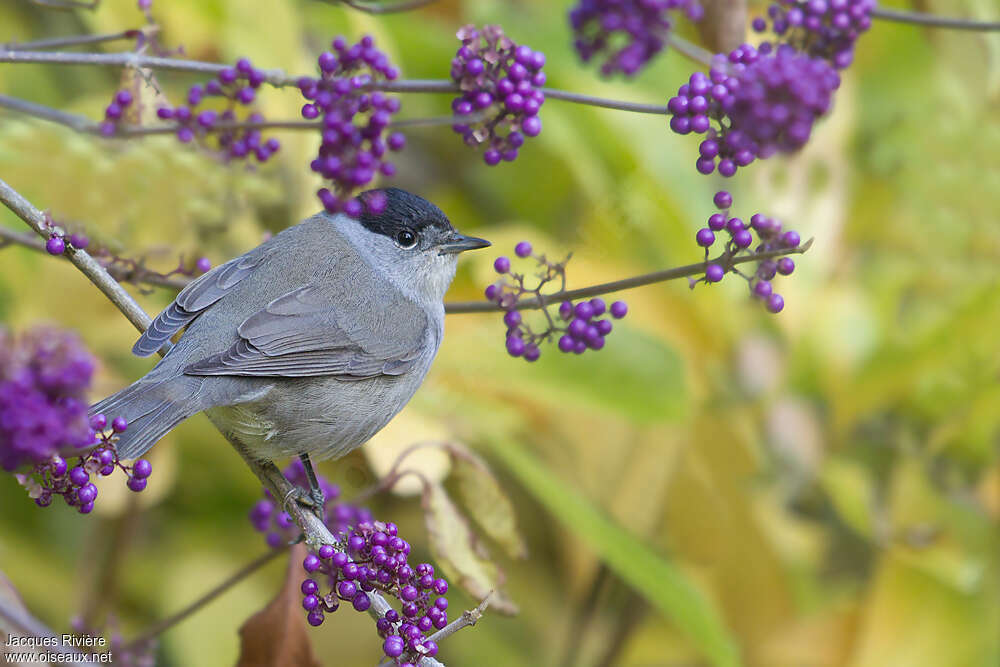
(308, 344)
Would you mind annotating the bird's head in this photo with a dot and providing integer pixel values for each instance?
(412, 241)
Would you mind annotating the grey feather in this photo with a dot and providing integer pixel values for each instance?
(196, 297)
(303, 334)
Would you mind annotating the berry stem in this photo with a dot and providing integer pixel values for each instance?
(383, 8)
(80, 40)
(158, 628)
(725, 260)
(932, 20)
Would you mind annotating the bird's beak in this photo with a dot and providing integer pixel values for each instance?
(461, 243)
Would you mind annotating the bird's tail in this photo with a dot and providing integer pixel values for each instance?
(151, 408)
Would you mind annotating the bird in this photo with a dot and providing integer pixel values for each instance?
(307, 345)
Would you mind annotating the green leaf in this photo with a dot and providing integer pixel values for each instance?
(654, 390)
(662, 584)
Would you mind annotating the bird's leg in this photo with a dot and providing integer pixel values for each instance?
(315, 493)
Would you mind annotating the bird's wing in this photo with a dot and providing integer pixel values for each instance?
(195, 298)
(303, 334)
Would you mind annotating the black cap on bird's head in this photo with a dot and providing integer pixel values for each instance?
(412, 222)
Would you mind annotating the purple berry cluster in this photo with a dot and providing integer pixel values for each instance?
(826, 29)
(376, 558)
(740, 237)
(355, 120)
(629, 32)
(752, 104)
(268, 518)
(579, 327)
(115, 112)
(54, 477)
(235, 87)
(44, 378)
(371, 557)
(501, 86)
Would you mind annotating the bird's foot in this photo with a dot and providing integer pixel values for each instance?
(311, 499)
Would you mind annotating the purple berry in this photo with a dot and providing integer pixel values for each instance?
(775, 303)
(501, 265)
(119, 425)
(522, 249)
(786, 266)
(705, 237)
(618, 309)
(142, 469)
(55, 245)
(723, 199)
(714, 273)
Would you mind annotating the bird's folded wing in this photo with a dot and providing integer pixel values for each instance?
(195, 298)
(302, 334)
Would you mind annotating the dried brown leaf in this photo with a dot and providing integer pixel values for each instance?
(277, 635)
(459, 553)
(481, 494)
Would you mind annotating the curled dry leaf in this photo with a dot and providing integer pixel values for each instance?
(481, 494)
(277, 635)
(459, 552)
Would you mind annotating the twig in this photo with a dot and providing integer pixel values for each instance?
(384, 8)
(85, 125)
(133, 60)
(590, 100)
(933, 21)
(79, 40)
(624, 284)
(160, 627)
(469, 618)
(279, 78)
(68, 4)
(690, 50)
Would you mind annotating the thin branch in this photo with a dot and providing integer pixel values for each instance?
(9, 236)
(590, 100)
(68, 4)
(624, 284)
(85, 125)
(384, 8)
(468, 618)
(933, 21)
(160, 627)
(690, 50)
(79, 40)
(280, 78)
(275, 77)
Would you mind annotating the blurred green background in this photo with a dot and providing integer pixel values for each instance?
(820, 487)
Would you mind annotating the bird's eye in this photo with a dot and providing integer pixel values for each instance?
(406, 239)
